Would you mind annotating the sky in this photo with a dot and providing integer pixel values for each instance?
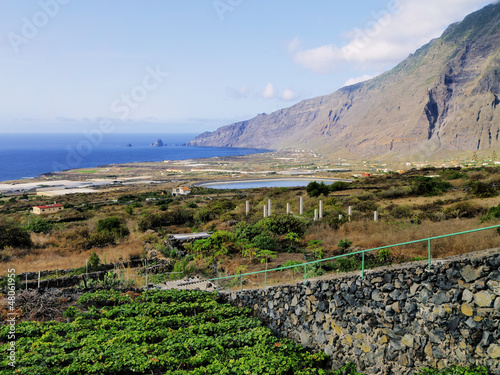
(193, 66)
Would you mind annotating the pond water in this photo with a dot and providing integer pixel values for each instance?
(252, 184)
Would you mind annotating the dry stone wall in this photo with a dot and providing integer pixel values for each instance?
(395, 320)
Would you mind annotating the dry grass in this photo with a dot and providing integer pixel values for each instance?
(64, 258)
(369, 234)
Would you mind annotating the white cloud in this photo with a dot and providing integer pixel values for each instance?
(353, 81)
(288, 94)
(269, 92)
(391, 34)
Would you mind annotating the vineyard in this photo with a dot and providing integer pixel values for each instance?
(158, 332)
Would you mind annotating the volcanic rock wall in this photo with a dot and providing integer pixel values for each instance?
(395, 320)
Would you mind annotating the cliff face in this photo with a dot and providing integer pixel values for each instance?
(444, 97)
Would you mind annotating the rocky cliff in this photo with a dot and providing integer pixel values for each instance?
(442, 98)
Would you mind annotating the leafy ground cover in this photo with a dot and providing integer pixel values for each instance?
(158, 332)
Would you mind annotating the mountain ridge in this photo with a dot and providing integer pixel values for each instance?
(442, 98)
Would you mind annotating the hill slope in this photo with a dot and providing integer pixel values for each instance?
(444, 97)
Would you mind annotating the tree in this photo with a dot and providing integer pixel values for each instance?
(264, 255)
(315, 189)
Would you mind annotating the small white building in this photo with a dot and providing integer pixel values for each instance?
(181, 190)
(47, 209)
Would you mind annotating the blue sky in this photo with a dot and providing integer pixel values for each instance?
(191, 66)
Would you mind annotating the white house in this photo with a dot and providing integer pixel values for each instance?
(181, 190)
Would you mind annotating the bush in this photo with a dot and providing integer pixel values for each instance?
(100, 239)
(339, 186)
(282, 224)
(37, 224)
(454, 370)
(265, 241)
(112, 225)
(430, 186)
(493, 212)
(399, 212)
(464, 210)
(14, 236)
(344, 245)
(204, 215)
(315, 189)
(395, 192)
(480, 189)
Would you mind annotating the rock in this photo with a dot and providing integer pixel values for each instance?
(438, 353)
(437, 336)
(411, 308)
(376, 296)
(425, 295)
(158, 143)
(494, 351)
(467, 296)
(496, 305)
(408, 340)
(483, 299)
(494, 286)
(387, 287)
(467, 309)
(440, 298)
(470, 274)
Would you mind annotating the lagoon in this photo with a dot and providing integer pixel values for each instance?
(266, 183)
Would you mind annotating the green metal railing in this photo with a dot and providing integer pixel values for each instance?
(428, 240)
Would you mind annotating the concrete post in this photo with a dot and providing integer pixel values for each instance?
(247, 207)
(321, 209)
(301, 204)
(269, 207)
(315, 214)
(265, 211)
(349, 211)
(340, 217)
(375, 216)
(287, 208)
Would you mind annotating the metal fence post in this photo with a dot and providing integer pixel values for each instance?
(217, 285)
(429, 251)
(305, 273)
(265, 280)
(241, 283)
(38, 279)
(363, 266)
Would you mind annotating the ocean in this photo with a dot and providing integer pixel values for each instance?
(29, 155)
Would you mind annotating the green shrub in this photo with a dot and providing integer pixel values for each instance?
(281, 224)
(344, 245)
(454, 370)
(12, 235)
(265, 241)
(339, 186)
(399, 212)
(94, 261)
(480, 189)
(315, 189)
(493, 212)
(112, 225)
(430, 186)
(37, 224)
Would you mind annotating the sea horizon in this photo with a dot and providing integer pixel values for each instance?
(29, 155)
